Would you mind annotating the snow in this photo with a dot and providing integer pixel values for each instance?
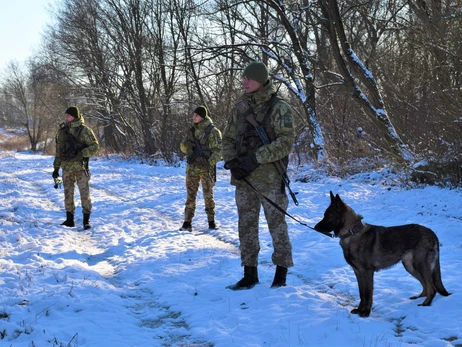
(134, 279)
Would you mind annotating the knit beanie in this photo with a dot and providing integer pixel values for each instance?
(73, 111)
(201, 111)
(257, 71)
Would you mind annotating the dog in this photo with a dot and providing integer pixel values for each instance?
(370, 248)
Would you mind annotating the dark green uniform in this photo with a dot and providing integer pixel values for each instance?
(203, 168)
(240, 140)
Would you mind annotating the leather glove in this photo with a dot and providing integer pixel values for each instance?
(249, 163)
(231, 164)
(78, 157)
(239, 173)
(55, 173)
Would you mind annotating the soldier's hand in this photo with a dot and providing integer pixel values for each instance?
(231, 164)
(249, 163)
(55, 173)
(239, 173)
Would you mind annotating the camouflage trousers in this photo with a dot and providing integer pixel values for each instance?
(83, 182)
(192, 187)
(248, 206)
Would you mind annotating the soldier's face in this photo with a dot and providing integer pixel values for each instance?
(197, 118)
(69, 118)
(250, 85)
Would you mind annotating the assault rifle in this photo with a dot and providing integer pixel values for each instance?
(198, 151)
(243, 106)
(72, 146)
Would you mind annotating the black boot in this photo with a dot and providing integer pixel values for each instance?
(249, 280)
(86, 221)
(212, 224)
(69, 222)
(280, 277)
(186, 226)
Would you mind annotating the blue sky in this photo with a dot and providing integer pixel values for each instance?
(21, 24)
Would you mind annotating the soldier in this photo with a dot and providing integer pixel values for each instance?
(202, 145)
(251, 161)
(75, 144)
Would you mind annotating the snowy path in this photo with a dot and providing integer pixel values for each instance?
(111, 252)
(135, 280)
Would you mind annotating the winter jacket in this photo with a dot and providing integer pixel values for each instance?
(86, 139)
(281, 121)
(211, 145)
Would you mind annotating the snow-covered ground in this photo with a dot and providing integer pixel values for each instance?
(135, 280)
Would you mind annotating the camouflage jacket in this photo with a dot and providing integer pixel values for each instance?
(281, 121)
(85, 137)
(213, 143)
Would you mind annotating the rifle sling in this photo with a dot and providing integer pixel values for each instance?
(280, 167)
(251, 119)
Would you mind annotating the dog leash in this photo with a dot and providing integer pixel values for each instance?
(276, 206)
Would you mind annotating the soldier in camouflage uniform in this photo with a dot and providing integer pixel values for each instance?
(250, 160)
(75, 144)
(202, 144)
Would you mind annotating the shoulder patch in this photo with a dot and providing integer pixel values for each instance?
(286, 115)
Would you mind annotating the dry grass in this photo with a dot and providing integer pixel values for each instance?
(15, 142)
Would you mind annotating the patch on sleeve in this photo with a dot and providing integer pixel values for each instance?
(287, 120)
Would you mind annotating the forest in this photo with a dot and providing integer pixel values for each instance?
(372, 83)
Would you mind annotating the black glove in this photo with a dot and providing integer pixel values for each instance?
(55, 173)
(231, 164)
(239, 173)
(249, 163)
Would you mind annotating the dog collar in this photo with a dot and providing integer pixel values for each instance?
(356, 228)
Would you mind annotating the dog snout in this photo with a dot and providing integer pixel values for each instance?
(321, 226)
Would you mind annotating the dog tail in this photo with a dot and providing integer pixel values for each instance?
(437, 280)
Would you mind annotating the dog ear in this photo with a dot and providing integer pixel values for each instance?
(338, 201)
(332, 198)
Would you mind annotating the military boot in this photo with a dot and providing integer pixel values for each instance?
(186, 226)
(280, 277)
(249, 280)
(86, 221)
(212, 224)
(69, 222)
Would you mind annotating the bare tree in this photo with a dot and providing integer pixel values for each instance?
(139, 66)
(28, 95)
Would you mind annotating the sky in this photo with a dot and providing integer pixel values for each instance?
(134, 279)
(21, 24)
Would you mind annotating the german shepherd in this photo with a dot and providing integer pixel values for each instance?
(370, 248)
